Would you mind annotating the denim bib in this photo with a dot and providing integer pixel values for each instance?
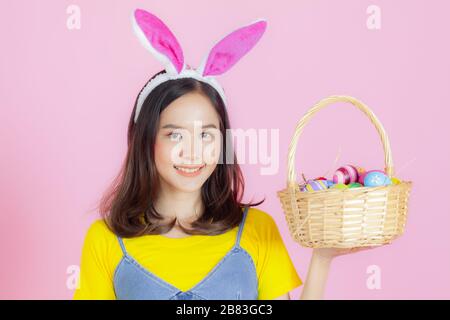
(233, 278)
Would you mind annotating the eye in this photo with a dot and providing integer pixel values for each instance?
(207, 136)
(175, 136)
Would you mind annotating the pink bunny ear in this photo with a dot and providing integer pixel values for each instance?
(233, 47)
(158, 39)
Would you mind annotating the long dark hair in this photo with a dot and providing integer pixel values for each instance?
(127, 205)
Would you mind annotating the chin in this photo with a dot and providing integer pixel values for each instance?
(186, 184)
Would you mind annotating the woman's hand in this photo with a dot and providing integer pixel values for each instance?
(330, 253)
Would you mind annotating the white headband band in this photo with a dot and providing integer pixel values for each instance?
(163, 77)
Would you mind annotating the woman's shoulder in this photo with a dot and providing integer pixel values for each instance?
(99, 234)
(99, 227)
(260, 220)
(257, 213)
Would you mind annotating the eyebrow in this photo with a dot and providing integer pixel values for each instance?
(173, 126)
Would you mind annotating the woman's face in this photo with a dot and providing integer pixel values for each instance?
(188, 142)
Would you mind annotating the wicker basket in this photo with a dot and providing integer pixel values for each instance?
(344, 218)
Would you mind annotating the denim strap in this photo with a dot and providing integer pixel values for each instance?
(122, 246)
(241, 227)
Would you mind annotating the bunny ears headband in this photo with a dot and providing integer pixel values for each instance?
(156, 37)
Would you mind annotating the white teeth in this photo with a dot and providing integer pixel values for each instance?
(188, 170)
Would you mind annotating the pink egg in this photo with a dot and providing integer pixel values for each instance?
(346, 174)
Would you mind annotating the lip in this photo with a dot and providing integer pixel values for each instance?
(189, 174)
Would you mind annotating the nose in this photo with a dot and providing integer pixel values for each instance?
(192, 150)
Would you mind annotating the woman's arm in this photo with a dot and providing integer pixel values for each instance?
(317, 277)
(319, 267)
(318, 271)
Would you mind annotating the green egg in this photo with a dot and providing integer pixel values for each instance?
(355, 185)
(339, 186)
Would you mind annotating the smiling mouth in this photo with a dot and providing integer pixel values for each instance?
(189, 169)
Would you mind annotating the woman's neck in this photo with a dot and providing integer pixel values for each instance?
(186, 207)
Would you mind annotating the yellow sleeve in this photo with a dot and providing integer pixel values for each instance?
(277, 275)
(97, 265)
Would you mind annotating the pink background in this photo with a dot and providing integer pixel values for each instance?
(66, 97)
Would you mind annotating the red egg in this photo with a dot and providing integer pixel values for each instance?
(361, 173)
(361, 178)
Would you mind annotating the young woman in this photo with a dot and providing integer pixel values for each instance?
(173, 223)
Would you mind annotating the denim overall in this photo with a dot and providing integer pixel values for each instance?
(233, 278)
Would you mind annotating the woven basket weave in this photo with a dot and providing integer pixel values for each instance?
(344, 218)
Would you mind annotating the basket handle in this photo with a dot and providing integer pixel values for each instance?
(389, 166)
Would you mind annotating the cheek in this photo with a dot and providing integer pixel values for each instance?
(163, 153)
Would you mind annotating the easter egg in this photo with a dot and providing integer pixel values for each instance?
(395, 180)
(360, 170)
(346, 174)
(315, 185)
(375, 178)
(361, 178)
(355, 185)
(329, 183)
(363, 175)
(339, 186)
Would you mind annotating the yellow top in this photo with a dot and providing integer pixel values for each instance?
(198, 254)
